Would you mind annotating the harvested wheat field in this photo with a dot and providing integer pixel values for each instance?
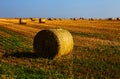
(96, 52)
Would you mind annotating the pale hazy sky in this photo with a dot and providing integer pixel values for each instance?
(60, 8)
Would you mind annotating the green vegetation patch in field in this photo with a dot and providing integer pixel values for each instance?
(28, 73)
(96, 69)
(13, 44)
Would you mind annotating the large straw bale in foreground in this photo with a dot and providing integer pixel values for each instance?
(53, 43)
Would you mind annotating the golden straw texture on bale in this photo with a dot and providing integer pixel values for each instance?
(53, 43)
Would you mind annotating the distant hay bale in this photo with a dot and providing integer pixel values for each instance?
(91, 19)
(81, 18)
(60, 19)
(53, 43)
(32, 19)
(118, 18)
(54, 18)
(57, 19)
(21, 21)
(100, 19)
(75, 19)
(111, 18)
(42, 20)
(51, 19)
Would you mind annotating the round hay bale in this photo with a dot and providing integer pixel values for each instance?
(111, 18)
(51, 19)
(53, 43)
(32, 19)
(22, 21)
(42, 20)
(118, 18)
(91, 19)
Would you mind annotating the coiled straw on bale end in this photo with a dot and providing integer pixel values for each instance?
(53, 43)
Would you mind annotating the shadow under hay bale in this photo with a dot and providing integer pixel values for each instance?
(53, 43)
(21, 55)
